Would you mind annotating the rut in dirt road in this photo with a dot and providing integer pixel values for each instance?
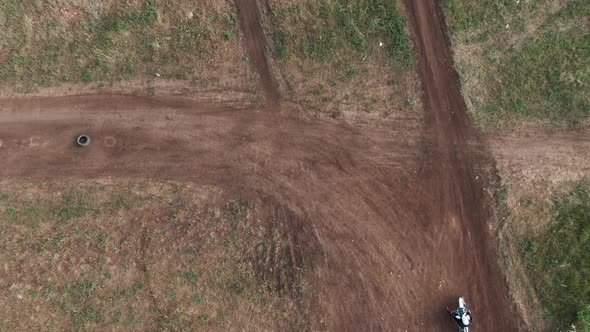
(249, 17)
(463, 244)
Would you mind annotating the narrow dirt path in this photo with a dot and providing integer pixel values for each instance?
(464, 251)
(249, 17)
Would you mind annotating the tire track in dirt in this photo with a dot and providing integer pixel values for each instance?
(355, 190)
(250, 23)
(458, 200)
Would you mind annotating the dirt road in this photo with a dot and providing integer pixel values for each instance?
(391, 222)
(353, 194)
(459, 214)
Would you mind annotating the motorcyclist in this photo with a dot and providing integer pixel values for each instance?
(464, 320)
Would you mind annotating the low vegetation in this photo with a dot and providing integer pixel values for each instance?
(348, 59)
(139, 256)
(48, 44)
(333, 28)
(524, 60)
(558, 262)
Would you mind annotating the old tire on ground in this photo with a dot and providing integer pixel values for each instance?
(83, 140)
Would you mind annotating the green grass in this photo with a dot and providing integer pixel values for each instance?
(334, 50)
(228, 35)
(280, 41)
(123, 43)
(558, 261)
(490, 15)
(337, 27)
(464, 15)
(547, 78)
(191, 276)
(583, 320)
(542, 75)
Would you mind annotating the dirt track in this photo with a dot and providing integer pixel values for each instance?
(394, 222)
(459, 205)
(256, 44)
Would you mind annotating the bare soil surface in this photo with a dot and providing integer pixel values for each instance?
(256, 44)
(550, 159)
(458, 203)
(349, 191)
(391, 222)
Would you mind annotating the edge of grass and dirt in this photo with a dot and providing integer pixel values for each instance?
(145, 255)
(537, 176)
(141, 46)
(353, 61)
(524, 65)
(547, 266)
(352, 64)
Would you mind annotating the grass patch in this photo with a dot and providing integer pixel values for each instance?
(280, 40)
(334, 28)
(122, 42)
(464, 15)
(559, 260)
(547, 78)
(343, 53)
(531, 62)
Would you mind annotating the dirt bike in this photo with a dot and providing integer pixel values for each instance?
(459, 313)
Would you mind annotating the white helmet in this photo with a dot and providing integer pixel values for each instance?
(466, 319)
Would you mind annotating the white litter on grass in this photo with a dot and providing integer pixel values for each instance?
(158, 74)
(507, 26)
(380, 44)
(190, 14)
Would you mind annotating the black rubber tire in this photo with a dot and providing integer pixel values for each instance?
(83, 140)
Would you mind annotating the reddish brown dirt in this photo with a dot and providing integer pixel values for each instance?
(249, 17)
(392, 223)
(458, 202)
(358, 193)
(348, 188)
